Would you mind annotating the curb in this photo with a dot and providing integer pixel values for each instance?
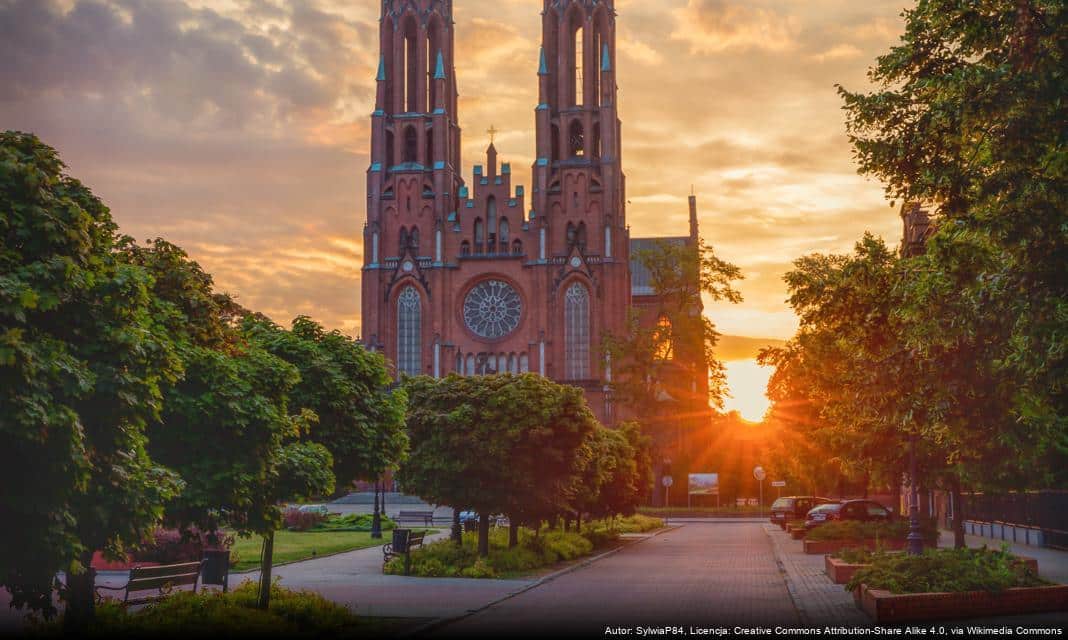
(441, 622)
(791, 588)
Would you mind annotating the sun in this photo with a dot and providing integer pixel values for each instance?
(748, 382)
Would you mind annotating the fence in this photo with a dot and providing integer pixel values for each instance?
(1045, 510)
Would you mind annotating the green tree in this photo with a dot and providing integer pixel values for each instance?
(496, 444)
(618, 474)
(361, 421)
(81, 364)
(969, 114)
(227, 427)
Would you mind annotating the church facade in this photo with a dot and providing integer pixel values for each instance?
(490, 277)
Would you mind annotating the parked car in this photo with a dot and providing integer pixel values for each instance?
(862, 510)
(790, 508)
(821, 514)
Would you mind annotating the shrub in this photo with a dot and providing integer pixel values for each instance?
(216, 614)
(355, 522)
(170, 546)
(856, 530)
(297, 520)
(638, 523)
(946, 571)
(444, 558)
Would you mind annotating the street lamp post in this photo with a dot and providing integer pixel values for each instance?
(376, 519)
(915, 538)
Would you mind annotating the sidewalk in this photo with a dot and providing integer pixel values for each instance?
(355, 580)
(821, 602)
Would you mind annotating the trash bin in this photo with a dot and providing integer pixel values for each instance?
(215, 569)
(400, 540)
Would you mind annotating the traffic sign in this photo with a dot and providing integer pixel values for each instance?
(760, 474)
(667, 481)
(779, 483)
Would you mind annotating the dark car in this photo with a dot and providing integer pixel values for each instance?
(790, 508)
(862, 510)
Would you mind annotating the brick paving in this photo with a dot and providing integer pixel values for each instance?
(701, 574)
(819, 600)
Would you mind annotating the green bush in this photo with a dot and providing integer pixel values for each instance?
(946, 571)
(354, 522)
(443, 559)
(856, 530)
(292, 613)
(639, 523)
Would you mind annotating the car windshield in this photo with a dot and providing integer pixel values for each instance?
(827, 507)
(783, 503)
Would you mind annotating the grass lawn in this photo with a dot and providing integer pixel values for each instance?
(291, 546)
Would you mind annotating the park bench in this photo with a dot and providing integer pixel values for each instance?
(162, 580)
(414, 540)
(426, 517)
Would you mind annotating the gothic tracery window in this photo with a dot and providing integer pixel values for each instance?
(492, 309)
(409, 332)
(577, 332)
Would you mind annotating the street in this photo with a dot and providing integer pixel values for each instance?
(701, 574)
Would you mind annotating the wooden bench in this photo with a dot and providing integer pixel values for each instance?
(415, 540)
(162, 579)
(426, 517)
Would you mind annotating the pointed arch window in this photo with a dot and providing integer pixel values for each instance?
(403, 241)
(576, 140)
(479, 236)
(491, 225)
(410, 51)
(391, 151)
(517, 247)
(503, 235)
(470, 364)
(556, 143)
(409, 332)
(578, 57)
(665, 340)
(411, 144)
(577, 332)
(465, 248)
(413, 239)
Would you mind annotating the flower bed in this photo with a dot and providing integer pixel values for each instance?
(887, 608)
(841, 571)
(835, 536)
(947, 584)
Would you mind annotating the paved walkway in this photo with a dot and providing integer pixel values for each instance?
(700, 574)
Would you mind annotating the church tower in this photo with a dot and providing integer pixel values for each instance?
(414, 176)
(579, 187)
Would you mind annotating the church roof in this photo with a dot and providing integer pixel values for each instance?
(640, 279)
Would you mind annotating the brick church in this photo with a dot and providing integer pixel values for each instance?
(488, 276)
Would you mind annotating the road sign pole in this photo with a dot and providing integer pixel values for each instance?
(761, 499)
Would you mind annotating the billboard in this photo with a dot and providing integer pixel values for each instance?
(704, 484)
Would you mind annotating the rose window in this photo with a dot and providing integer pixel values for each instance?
(492, 309)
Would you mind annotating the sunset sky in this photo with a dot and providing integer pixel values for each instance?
(238, 129)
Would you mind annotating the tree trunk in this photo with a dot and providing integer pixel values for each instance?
(958, 514)
(266, 563)
(483, 535)
(578, 523)
(897, 498)
(457, 529)
(513, 532)
(81, 598)
(567, 524)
